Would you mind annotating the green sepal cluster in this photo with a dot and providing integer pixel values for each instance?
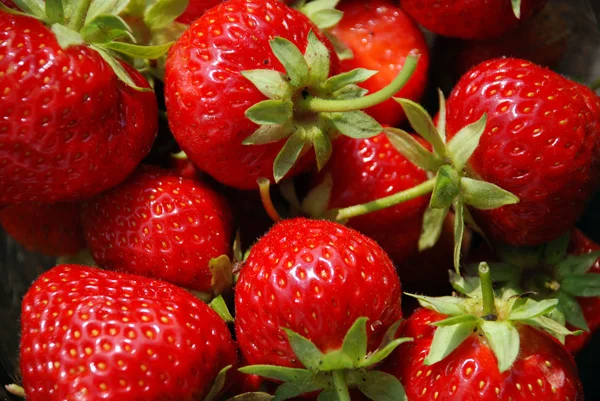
(516, 7)
(94, 23)
(333, 373)
(447, 162)
(218, 384)
(498, 321)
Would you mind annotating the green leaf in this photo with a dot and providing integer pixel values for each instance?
(355, 124)
(254, 396)
(336, 360)
(355, 341)
(349, 92)
(66, 37)
(292, 60)
(293, 389)
(516, 6)
(218, 305)
(464, 143)
(10, 11)
(272, 84)
(390, 334)
(35, 8)
(571, 309)
(451, 321)
(343, 52)
(381, 386)
(269, 134)
(315, 204)
(217, 384)
(54, 11)
(98, 7)
(102, 29)
(270, 112)
(325, 19)
(163, 12)
(279, 373)
(433, 221)
(551, 326)
(328, 395)
(446, 339)
(576, 264)
(585, 285)
(383, 352)
(446, 188)
(504, 340)
(555, 251)
(322, 145)
(445, 305)
(459, 230)
(311, 7)
(356, 76)
(119, 70)
(306, 351)
(441, 125)
(469, 286)
(317, 58)
(421, 122)
(531, 309)
(484, 195)
(288, 155)
(136, 51)
(410, 148)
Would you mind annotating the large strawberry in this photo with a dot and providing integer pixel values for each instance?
(224, 91)
(484, 348)
(381, 36)
(74, 120)
(54, 229)
(160, 225)
(89, 334)
(471, 19)
(324, 282)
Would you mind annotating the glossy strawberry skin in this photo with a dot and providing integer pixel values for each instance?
(206, 95)
(541, 143)
(195, 10)
(53, 229)
(544, 368)
(469, 19)
(92, 335)
(68, 127)
(381, 36)
(315, 278)
(160, 225)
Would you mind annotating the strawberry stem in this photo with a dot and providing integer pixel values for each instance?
(327, 105)
(264, 186)
(77, 20)
(487, 292)
(382, 203)
(341, 388)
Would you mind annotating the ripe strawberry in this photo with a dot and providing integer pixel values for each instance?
(71, 126)
(89, 334)
(195, 9)
(53, 229)
(160, 225)
(473, 19)
(541, 143)
(380, 36)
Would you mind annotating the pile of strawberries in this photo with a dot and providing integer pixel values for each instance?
(236, 190)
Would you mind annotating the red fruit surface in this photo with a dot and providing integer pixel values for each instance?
(469, 19)
(160, 225)
(381, 36)
(53, 229)
(69, 128)
(541, 143)
(363, 170)
(544, 369)
(206, 95)
(315, 278)
(89, 334)
(195, 10)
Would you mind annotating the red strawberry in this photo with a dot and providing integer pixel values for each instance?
(541, 143)
(160, 225)
(380, 36)
(53, 229)
(195, 9)
(70, 127)
(470, 19)
(89, 334)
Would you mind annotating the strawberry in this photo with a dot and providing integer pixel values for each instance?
(195, 9)
(325, 282)
(541, 143)
(473, 19)
(160, 225)
(224, 92)
(74, 120)
(53, 229)
(380, 36)
(484, 348)
(89, 334)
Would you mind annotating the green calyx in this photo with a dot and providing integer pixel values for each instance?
(94, 23)
(308, 108)
(335, 372)
(516, 7)
(480, 311)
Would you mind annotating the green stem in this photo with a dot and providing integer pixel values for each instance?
(341, 388)
(264, 186)
(382, 203)
(327, 105)
(77, 20)
(487, 290)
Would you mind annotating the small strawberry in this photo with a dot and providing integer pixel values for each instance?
(276, 92)
(381, 36)
(472, 19)
(160, 225)
(53, 229)
(484, 348)
(89, 334)
(325, 282)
